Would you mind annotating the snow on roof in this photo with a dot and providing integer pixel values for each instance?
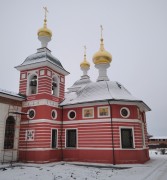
(79, 84)
(10, 93)
(158, 137)
(42, 55)
(99, 91)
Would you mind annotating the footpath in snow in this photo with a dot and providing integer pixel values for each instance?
(155, 169)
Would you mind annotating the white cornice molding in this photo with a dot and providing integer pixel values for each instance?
(40, 102)
(108, 120)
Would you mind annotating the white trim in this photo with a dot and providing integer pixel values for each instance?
(80, 121)
(104, 107)
(37, 149)
(40, 103)
(85, 105)
(56, 138)
(76, 138)
(126, 127)
(85, 117)
(69, 115)
(127, 111)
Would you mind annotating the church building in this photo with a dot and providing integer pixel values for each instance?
(97, 122)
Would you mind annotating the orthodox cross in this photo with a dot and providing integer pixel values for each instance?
(101, 31)
(46, 11)
(84, 50)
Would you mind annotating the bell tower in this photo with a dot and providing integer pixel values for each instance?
(42, 80)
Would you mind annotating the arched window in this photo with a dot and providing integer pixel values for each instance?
(33, 84)
(9, 133)
(55, 86)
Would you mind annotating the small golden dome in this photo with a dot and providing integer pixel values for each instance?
(102, 56)
(44, 31)
(85, 63)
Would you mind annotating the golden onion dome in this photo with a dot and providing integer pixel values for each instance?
(102, 56)
(85, 64)
(44, 31)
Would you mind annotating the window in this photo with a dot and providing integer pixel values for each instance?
(127, 138)
(125, 112)
(9, 133)
(71, 139)
(33, 84)
(71, 114)
(55, 86)
(54, 114)
(54, 138)
(31, 113)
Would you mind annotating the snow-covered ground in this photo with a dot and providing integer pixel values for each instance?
(155, 169)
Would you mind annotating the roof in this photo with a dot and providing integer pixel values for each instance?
(11, 95)
(80, 83)
(100, 91)
(42, 55)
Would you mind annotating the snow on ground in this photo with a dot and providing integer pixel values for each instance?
(155, 169)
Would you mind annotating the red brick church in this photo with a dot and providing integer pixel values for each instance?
(93, 122)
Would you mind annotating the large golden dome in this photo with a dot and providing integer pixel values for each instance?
(102, 56)
(44, 31)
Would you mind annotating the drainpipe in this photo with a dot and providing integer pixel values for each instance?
(112, 134)
(62, 116)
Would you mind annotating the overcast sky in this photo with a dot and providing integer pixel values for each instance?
(135, 33)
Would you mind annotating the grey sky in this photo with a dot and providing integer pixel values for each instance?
(135, 33)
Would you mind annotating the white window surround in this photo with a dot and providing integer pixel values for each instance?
(69, 114)
(54, 110)
(48, 72)
(42, 72)
(87, 109)
(126, 127)
(56, 79)
(103, 107)
(28, 113)
(29, 77)
(127, 111)
(76, 138)
(23, 76)
(56, 139)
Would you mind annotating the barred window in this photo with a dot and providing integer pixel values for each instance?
(9, 133)
(54, 138)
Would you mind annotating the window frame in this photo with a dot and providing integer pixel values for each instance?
(56, 138)
(127, 111)
(54, 110)
(69, 115)
(7, 127)
(28, 113)
(68, 129)
(132, 131)
(30, 76)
